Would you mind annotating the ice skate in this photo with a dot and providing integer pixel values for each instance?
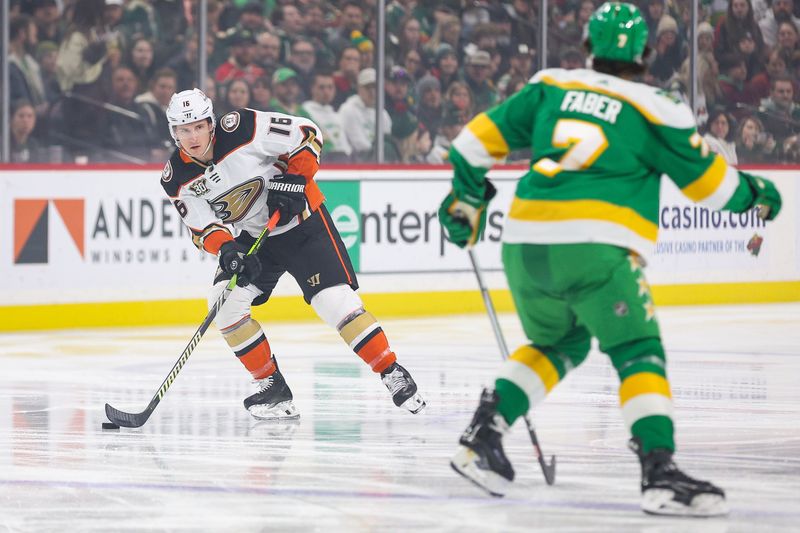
(481, 458)
(403, 389)
(666, 490)
(273, 401)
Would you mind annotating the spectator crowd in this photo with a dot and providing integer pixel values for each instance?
(90, 79)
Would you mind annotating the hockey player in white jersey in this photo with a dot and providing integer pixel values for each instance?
(226, 179)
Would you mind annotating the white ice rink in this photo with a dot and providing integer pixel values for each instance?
(354, 462)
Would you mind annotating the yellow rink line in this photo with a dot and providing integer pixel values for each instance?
(387, 305)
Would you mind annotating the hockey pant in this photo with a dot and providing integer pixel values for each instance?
(565, 294)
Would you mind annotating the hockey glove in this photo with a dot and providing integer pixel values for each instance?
(233, 259)
(765, 196)
(464, 219)
(287, 194)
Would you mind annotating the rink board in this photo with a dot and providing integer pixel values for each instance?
(86, 246)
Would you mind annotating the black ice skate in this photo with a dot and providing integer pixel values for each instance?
(668, 491)
(481, 458)
(402, 387)
(273, 400)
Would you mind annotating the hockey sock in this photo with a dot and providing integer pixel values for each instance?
(364, 335)
(513, 403)
(644, 392)
(525, 379)
(250, 345)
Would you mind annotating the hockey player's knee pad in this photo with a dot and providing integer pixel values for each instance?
(336, 303)
(236, 307)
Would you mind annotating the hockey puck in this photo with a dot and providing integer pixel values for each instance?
(110, 425)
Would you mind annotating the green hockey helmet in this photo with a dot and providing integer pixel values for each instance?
(618, 32)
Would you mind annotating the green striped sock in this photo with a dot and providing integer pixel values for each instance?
(513, 401)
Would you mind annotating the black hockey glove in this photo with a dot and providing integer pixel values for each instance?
(233, 259)
(287, 194)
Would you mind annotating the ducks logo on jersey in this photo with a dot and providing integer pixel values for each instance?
(233, 205)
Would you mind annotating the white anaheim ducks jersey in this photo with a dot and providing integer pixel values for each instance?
(230, 194)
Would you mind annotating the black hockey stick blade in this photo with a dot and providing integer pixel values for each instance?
(128, 420)
(549, 470)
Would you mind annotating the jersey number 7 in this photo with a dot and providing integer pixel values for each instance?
(585, 142)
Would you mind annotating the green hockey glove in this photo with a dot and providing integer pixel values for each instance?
(765, 196)
(464, 219)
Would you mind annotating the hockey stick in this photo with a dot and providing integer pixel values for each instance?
(135, 420)
(549, 470)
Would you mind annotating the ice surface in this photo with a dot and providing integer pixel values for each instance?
(354, 462)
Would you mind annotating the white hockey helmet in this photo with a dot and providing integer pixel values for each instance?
(189, 106)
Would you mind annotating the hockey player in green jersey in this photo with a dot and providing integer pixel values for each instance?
(582, 221)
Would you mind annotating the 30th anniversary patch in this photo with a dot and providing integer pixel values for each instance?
(230, 121)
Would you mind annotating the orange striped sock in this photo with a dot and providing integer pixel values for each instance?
(364, 335)
(251, 347)
(258, 360)
(375, 351)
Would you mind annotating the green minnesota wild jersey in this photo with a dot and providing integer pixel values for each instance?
(599, 145)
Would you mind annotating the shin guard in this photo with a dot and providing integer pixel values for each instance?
(340, 307)
(366, 338)
(250, 345)
(524, 380)
(644, 392)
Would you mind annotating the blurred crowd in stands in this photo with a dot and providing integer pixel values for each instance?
(90, 79)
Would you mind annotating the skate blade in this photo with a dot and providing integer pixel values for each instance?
(465, 462)
(415, 404)
(280, 411)
(661, 502)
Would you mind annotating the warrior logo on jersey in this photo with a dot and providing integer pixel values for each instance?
(166, 174)
(230, 121)
(199, 187)
(234, 205)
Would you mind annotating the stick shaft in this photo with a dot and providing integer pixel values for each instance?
(487, 301)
